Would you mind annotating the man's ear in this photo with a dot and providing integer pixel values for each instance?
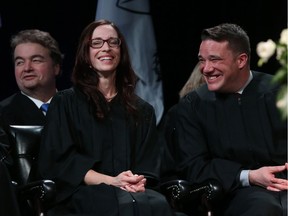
(242, 60)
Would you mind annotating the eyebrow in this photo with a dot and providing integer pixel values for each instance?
(31, 57)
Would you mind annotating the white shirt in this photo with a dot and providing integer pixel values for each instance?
(37, 102)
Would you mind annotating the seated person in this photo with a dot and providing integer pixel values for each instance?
(100, 137)
(231, 130)
(37, 63)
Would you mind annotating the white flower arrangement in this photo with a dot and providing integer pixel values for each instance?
(265, 50)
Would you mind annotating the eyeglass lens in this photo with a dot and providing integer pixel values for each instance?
(112, 42)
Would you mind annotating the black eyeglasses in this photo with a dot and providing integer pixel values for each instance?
(98, 43)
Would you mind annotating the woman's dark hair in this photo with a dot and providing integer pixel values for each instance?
(86, 79)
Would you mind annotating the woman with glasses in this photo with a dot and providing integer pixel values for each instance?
(100, 138)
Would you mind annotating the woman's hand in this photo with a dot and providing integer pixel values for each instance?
(130, 182)
(125, 180)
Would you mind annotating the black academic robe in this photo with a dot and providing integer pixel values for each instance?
(18, 109)
(8, 200)
(74, 142)
(221, 134)
(5, 147)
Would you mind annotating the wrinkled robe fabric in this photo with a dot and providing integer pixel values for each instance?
(74, 141)
(8, 199)
(18, 109)
(218, 135)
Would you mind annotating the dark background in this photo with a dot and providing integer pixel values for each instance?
(177, 24)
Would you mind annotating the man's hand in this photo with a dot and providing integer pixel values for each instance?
(265, 177)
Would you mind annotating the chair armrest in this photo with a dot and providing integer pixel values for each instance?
(183, 195)
(213, 194)
(43, 190)
(38, 196)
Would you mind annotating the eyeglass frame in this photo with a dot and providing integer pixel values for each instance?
(103, 41)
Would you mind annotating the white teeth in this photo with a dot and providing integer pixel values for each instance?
(212, 77)
(105, 58)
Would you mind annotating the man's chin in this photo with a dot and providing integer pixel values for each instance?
(213, 87)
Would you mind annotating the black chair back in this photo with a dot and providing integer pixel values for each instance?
(26, 141)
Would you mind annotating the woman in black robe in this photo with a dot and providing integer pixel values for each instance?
(99, 143)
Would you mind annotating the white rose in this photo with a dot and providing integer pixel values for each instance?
(284, 37)
(266, 49)
(280, 52)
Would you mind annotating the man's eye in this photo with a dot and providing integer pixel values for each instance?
(18, 63)
(37, 60)
(214, 59)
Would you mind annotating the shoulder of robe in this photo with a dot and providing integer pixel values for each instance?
(265, 81)
(142, 104)
(200, 94)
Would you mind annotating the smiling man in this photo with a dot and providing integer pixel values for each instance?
(230, 129)
(37, 62)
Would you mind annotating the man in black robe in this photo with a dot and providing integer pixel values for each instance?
(231, 130)
(37, 62)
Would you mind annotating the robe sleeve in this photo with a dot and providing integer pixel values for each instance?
(147, 151)
(60, 157)
(220, 135)
(195, 161)
(5, 148)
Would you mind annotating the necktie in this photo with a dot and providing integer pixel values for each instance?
(44, 107)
